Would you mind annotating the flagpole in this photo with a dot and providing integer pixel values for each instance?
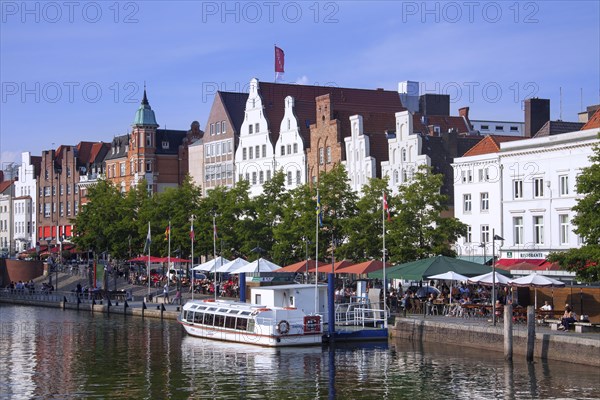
(149, 244)
(215, 256)
(169, 258)
(317, 254)
(383, 211)
(192, 260)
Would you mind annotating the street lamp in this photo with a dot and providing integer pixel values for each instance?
(494, 238)
(307, 242)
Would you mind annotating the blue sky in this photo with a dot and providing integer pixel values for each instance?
(75, 71)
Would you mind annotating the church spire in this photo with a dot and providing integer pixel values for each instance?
(144, 115)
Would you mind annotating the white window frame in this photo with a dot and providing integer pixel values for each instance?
(467, 206)
(565, 228)
(538, 188)
(518, 230)
(563, 185)
(518, 189)
(485, 201)
(538, 229)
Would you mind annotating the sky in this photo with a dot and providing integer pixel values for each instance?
(74, 71)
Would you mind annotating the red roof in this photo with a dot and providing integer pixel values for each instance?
(444, 122)
(300, 266)
(490, 144)
(594, 122)
(5, 185)
(364, 267)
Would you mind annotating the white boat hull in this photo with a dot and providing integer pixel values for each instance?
(269, 340)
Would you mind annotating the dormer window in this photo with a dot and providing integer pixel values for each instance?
(165, 144)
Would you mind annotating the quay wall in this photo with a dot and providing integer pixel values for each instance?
(152, 311)
(570, 348)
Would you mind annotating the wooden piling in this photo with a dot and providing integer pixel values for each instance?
(530, 332)
(508, 336)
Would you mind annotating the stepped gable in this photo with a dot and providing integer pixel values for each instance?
(376, 126)
(551, 128)
(594, 122)
(490, 144)
(346, 101)
(235, 105)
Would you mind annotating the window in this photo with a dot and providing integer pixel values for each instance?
(268, 175)
(403, 155)
(122, 169)
(248, 176)
(298, 178)
(328, 155)
(469, 236)
(62, 189)
(148, 139)
(261, 177)
(514, 128)
(295, 148)
(244, 153)
(165, 144)
(518, 189)
(212, 129)
(283, 150)
(469, 176)
(46, 210)
(68, 171)
(499, 128)
(321, 156)
(481, 176)
(264, 150)
(218, 128)
(148, 166)
(76, 189)
(223, 125)
(254, 178)
(257, 151)
(256, 127)
(467, 203)
(240, 177)
(485, 201)
(538, 229)
(61, 210)
(53, 190)
(538, 187)
(289, 178)
(518, 230)
(250, 127)
(76, 204)
(563, 220)
(251, 153)
(485, 127)
(485, 233)
(563, 183)
(289, 149)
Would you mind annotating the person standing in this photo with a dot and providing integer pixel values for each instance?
(166, 292)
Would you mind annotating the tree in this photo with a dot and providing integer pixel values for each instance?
(585, 261)
(419, 230)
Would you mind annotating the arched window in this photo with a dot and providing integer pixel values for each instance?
(403, 155)
(395, 176)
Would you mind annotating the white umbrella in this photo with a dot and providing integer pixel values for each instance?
(487, 279)
(449, 276)
(231, 266)
(211, 265)
(260, 265)
(536, 281)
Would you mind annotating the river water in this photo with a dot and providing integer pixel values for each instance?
(47, 353)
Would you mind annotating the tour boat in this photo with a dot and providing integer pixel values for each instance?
(234, 321)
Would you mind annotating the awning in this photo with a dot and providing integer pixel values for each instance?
(509, 262)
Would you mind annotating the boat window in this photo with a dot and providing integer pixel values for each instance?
(184, 315)
(230, 322)
(241, 324)
(208, 319)
(212, 309)
(232, 311)
(245, 312)
(219, 320)
(201, 307)
(223, 310)
(198, 317)
(251, 325)
(194, 306)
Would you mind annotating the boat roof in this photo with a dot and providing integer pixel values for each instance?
(288, 287)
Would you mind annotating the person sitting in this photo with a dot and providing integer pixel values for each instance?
(567, 319)
(546, 306)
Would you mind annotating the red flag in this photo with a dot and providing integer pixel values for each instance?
(279, 59)
(385, 206)
(167, 231)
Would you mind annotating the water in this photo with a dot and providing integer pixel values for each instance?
(48, 353)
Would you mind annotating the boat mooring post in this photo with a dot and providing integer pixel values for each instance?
(242, 285)
(530, 332)
(508, 334)
(330, 305)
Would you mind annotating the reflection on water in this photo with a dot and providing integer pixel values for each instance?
(49, 353)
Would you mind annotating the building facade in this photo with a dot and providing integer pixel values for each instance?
(289, 149)
(25, 202)
(7, 194)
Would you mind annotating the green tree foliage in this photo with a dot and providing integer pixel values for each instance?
(418, 229)
(585, 261)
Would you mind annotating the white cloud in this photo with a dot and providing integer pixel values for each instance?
(303, 80)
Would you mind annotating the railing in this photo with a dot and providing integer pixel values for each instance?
(53, 296)
(359, 313)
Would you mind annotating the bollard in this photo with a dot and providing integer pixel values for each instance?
(530, 332)
(143, 307)
(162, 310)
(508, 334)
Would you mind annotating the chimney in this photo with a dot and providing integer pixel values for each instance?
(537, 113)
(463, 112)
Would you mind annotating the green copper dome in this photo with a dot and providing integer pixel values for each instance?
(144, 115)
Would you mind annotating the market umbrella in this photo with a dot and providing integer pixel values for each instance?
(363, 268)
(300, 266)
(211, 265)
(419, 269)
(535, 281)
(488, 279)
(260, 265)
(449, 276)
(233, 265)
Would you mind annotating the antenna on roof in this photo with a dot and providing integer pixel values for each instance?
(560, 95)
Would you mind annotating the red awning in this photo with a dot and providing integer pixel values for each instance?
(509, 262)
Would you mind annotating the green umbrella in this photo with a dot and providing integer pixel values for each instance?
(421, 269)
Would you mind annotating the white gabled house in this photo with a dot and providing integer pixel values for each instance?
(289, 149)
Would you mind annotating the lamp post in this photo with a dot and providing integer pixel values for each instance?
(215, 251)
(494, 238)
(307, 242)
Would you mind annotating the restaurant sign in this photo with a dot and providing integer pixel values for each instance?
(526, 254)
